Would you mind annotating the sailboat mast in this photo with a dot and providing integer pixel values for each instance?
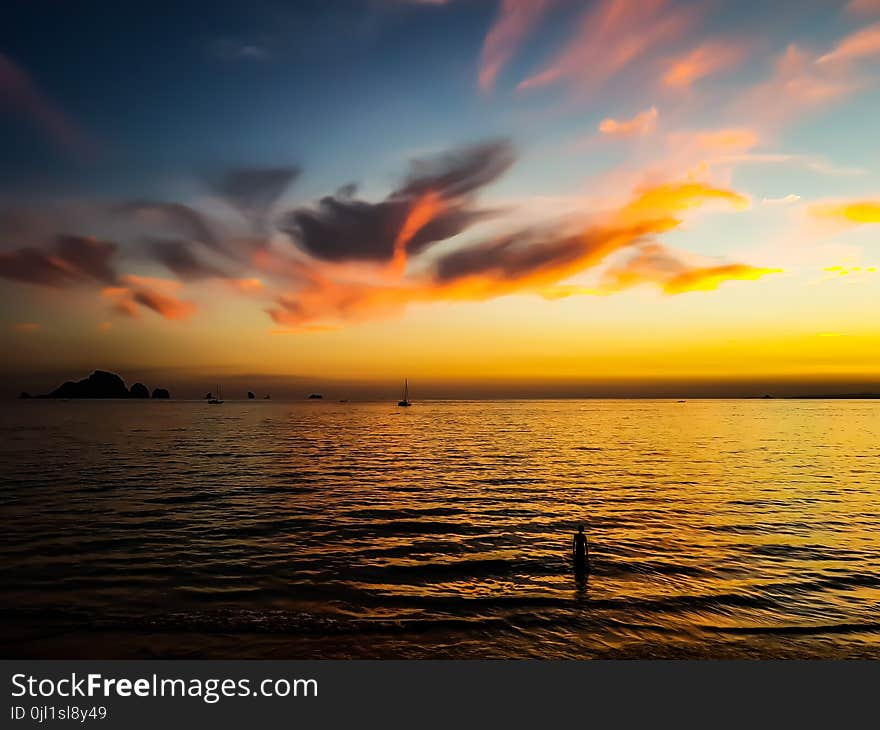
(405, 389)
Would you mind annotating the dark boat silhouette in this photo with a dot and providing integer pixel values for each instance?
(219, 399)
(405, 402)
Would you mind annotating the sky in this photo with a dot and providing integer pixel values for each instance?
(518, 198)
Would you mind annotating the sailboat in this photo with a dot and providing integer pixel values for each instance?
(219, 399)
(405, 401)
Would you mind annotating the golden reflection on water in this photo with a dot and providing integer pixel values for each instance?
(363, 529)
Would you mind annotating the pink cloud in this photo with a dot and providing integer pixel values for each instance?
(515, 19)
(704, 60)
(797, 85)
(863, 43)
(21, 93)
(727, 141)
(610, 37)
(642, 123)
(863, 7)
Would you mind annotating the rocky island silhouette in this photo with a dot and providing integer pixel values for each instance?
(102, 384)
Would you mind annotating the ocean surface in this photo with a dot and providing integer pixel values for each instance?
(717, 528)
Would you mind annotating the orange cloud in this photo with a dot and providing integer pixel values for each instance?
(662, 200)
(712, 277)
(611, 36)
(863, 43)
(515, 19)
(705, 60)
(250, 285)
(727, 140)
(642, 123)
(674, 272)
(152, 282)
(863, 7)
(27, 326)
(168, 307)
(426, 208)
(850, 270)
(530, 261)
(867, 211)
(151, 293)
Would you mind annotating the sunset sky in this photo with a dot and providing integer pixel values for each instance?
(514, 197)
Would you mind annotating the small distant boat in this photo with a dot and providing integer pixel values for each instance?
(219, 399)
(405, 402)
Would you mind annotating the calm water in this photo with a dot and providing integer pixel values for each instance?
(317, 529)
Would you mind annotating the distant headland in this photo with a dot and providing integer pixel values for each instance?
(839, 396)
(102, 384)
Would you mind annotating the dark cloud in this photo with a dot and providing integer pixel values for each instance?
(446, 225)
(91, 257)
(532, 253)
(70, 260)
(180, 258)
(167, 306)
(20, 228)
(460, 171)
(174, 219)
(253, 191)
(343, 228)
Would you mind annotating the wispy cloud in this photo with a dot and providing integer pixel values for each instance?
(612, 36)
(864, 43)
(346, 259)
(225, 49)
(68, 261)
(155, 294)
(851, 270)
(26, 327)
(855, 212)
(789, 199)
(863, 7)
(641, 124)
(20, 94)
(674, 272)
(516, 18)
(435, 203)
(705, 60)
(798, 85)
(527, 261)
